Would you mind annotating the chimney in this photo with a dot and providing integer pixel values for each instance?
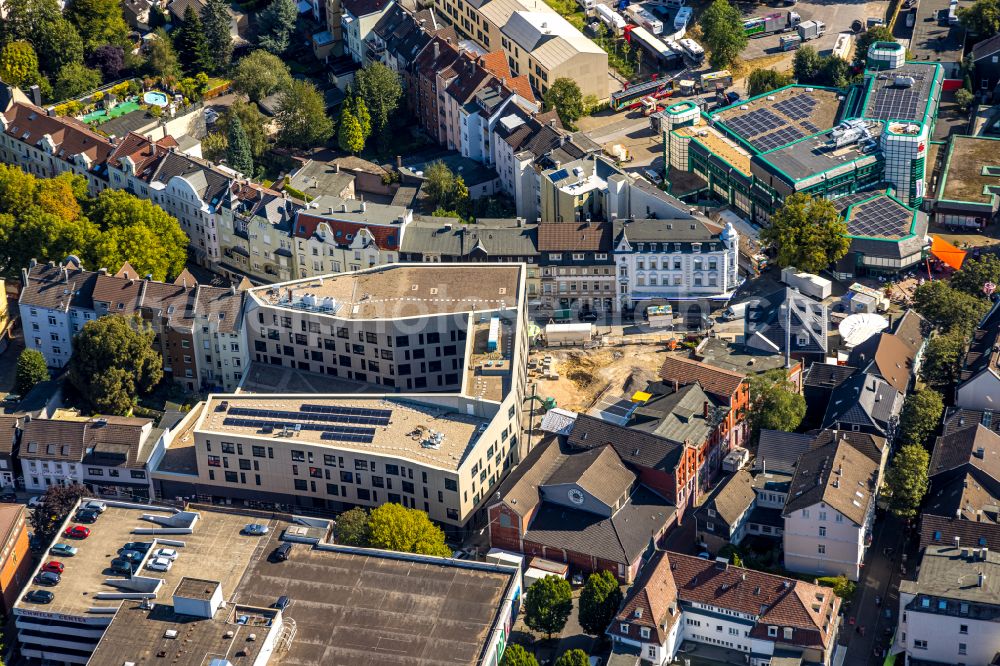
(552, 122)
(364, 206)
(399, 161)
(958, 539)
(705, 409)
(985, 551)
(24, 275)
(982, 579)
(336, 167)
(437, 50)
(676, 386)
(36, 95)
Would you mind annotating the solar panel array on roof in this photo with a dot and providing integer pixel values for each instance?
(559, 175)
(880, 218)
(798, 107)
(777, 139)
(811, 127)
(755, 123)
(362, 416)
(341, 433)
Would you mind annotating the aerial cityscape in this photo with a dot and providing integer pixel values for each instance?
(499, 332)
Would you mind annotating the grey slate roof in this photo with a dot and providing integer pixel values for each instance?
(731, 499)
(600, 472)
(779, 451)
(682, 229)
(58, 287)
(210, 184)
(838, 475)
(766, 321)
(827, 375)
(863, 400)
(946, 573)
(678, 416)
(635, 447)
(432, 235)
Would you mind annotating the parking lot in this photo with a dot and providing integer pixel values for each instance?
(836, 15)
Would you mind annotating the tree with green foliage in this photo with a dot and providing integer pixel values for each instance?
(574, 657)
(254, 126)
(565, 97)
(947, 308)
(191, 45)
(74, 80)
(56, 41)
(276, 25)
(41, 218)
(548, 605)
(301, 117)
(763, 81)
(260, 74)
(380, 90)
(964, 98)
(31, 369)
(807, 64)
(836, 71)
(218, 38)
(942, 358)
(114, 362)
(395, 527)
(360, 112)
(599, 602)
(515, 655)
(138, 231)
(109, 60)
(352, 528)
(99, 22)
(19, 65)
(876, 33)
(982, 19)
(774, 403)
(920, 416)
(161, 58)
(808, 232)
(976, 272)
(722, 28)
(238, 148)
(57, 502)
(906, 480)
(440, 182)
(214, 146)
(350, 136)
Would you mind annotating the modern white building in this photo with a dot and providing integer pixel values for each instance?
(830, 511)
(357, 21)
(950, 613)
(684, 598)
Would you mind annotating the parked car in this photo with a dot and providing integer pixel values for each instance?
(255, 529)
(63, 549)
(140, 546)
(86, 516)
(39, 597)
(8, 496)
(96, 505)
(48, 578)
(159, 564)
(282, 552)
(54, 566)
(588, 316)
(168, 553)
(131, 555)
(120, 566)
(77, 532)
(34, 501)
(282, 603)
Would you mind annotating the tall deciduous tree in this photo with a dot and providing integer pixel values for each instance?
(565, 97)
(763, 81)
(189, 40)
(114, 362)
(599, 602)
(31, 369)
(352, 528)
(394, 527)
(948, 308)
(161, 59)
(218, 38)
(920, 416)
(100, 22)
(574, 657)
(360, 111)
(138, 231)
(380, 90)
(56, 504)
(722, 27)
(275, 26)
(19, 64)
(254, 125)
(775, 405)
(301, 117)
(75, 79)
(238, 150)
(350, 137)
(982, 18)
(808, 233)
(260, 74)
(549, 603)
(976, 272)
(941, 359)
(515, 655)
(807, 65)
(906, 480)
(109, 59)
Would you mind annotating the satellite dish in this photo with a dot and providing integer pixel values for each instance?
(857, 328)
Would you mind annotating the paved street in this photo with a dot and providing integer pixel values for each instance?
(880, 578)
(837, 15)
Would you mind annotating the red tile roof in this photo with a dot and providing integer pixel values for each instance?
(385, 237)
(574, 236)
(29, 124)
(715, 381)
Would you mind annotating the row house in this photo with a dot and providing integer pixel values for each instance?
(979, 380)
(255, 234)
(584, 507)
(682, 598)
(398, 38)
(727, 388)
(787, 322)
(894, 355)
(357, 19)
(347, 235)
(438, 58)
(47, 146)
(108, 454)
(578, 271)
(199, 328)
(9, 439)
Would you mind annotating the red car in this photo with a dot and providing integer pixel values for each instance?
(77, 532)
(53, 566)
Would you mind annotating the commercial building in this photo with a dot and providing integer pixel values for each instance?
(538, 42)
(343, 602)
(948, 613)
(684, 598)
(886, 235)
(968, 187)
(15, 558)
(578, 270)
(424, 368)
(814, 140)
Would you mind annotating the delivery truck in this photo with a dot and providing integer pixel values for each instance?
(645, 19)
(771, 24)
(811, 30)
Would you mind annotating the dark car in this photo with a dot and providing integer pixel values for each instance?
(40, 597)
(48, 578)
(120, 566)
(8, 497)
(282, 552)
(86, 516)
(138, 546)
(131, 555)
(282, 603)
(588, 316)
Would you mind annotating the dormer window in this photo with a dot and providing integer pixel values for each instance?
(644, 632)
(637, 612)
(772, 632)
(624, 628)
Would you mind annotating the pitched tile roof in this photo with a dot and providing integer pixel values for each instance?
(651, 602)
(634, 447)
(976, 446)
(827, 375)
(779, 451)
(385, 237)
(519, 490)
(766, 320)
(684, 415)
(984, 349)
(913, 330)
(732, 498)
(30, 124)
(863, 400)
(957, 418)
(70, 440)
(8, 432)
(574, 236)
(721, 383)
(837, 474)
(599, 472)
(887, 355)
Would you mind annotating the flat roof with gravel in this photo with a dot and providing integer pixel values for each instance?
(971, 170)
